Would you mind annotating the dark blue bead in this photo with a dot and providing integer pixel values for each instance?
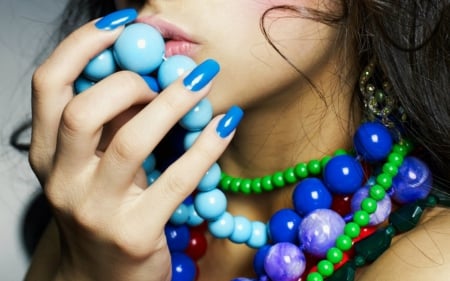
(258, 260)
(373, 141)
(283, 226)
(412, 182)
(152, 83)
(311, 194)
(183, 267)
(343, 175)
(177, 237)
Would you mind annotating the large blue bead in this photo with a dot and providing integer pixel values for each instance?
(139, 48)
(343, 175)
(100, 66)
(373, 141)
(183, 267)
(82, 84)
(174, 67)
(283, 226)
(412, 182)
(311, 194)
(258, 260)
(177, 237)
(198, 117)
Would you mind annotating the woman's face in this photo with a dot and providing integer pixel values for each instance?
(252, 72)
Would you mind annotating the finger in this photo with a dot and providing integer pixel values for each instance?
(181, 178)
(84, 117)
(136, 139)
(52, 82)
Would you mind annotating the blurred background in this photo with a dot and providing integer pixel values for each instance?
(25, 30)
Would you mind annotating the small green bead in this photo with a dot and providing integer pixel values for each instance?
(408, 145)
(344, 242)
(314, 167)
(301, 170)
(314, 276)
(400, 149)
(361, 217)
(395, 159)
(352, 230)
(334, 255)
(384, 180)
(369, 205)
(325, 268)
(256, 186)
(377, 192)
(325, 161)
(390, 169)
(266, 183)
(340, 152)
(235, 184)
(246, 186)
(225, 182)
(289, 175)
(277, 179)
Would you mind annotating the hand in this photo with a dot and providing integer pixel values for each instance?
(87, 151)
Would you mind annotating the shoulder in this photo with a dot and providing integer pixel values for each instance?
(420, 254)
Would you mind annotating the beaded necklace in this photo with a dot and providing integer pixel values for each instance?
(332, 228)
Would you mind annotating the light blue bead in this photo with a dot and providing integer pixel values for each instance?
(190, 138)
(211, 179)
(194, 219)
(172, 68)
(210, 204)
(222, 227)
(259, 237)
(198, 117)
(149, 163)
(153, 176)
(180, 215)
(82, 84)
(139, 48)
(100, 66)
(242, 230)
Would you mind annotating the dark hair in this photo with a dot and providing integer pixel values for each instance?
(410, 41)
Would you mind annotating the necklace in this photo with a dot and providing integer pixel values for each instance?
(312, 241)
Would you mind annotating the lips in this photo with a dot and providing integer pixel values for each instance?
(176, 40)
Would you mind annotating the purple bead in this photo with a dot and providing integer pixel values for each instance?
(311, 194)
(343, 175)
(413, 181)
(319, 231)
(384, 206)
(284, 262)
(283, 226)
(183, 267)
(177, 237)
(373, 141)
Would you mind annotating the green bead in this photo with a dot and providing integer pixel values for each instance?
(225, 182)
(325, 268)
(408, 145)
(352, 229)
(340, 152)
(256, 186)
(373, 246)
(235, 184)
(346, 272)
(301, 170)
(343, 242)
(384, 180)
(377, 192)
(266, 183)
(246, 186)
(395, 159)
(314, 276)
(406, 217)
(314, 167)
(325, 161)
(390, 169)
(278, 180)
(369, 205)
(334, 255)
(400, 149)
(289, 175)
(361, 217)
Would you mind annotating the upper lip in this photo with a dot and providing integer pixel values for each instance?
(168, 30)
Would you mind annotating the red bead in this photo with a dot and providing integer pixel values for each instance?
(197, 245)
(341, 204)
(365, 232)
(345, 258)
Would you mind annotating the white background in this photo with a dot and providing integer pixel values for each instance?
(25, 26)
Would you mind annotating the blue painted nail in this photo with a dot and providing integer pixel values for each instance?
(116, 19)
(201, 75)
(229, 122)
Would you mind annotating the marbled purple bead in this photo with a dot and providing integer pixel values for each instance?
(319, 230)
(413, 181)
(284, 262)
(383, 210)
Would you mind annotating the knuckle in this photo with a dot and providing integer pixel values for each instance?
(177, 186)
(39, 80)
(75, 118)
(124, 147)
(128, 80)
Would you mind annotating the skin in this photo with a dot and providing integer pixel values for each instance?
(104, 217)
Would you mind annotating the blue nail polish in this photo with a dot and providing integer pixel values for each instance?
(229, 122)
(116, 19)
(201, 75)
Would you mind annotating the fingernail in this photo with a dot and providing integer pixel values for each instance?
(229, 122)
(116, 19)
(201, 75)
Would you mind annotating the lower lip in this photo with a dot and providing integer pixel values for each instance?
(174, 47)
